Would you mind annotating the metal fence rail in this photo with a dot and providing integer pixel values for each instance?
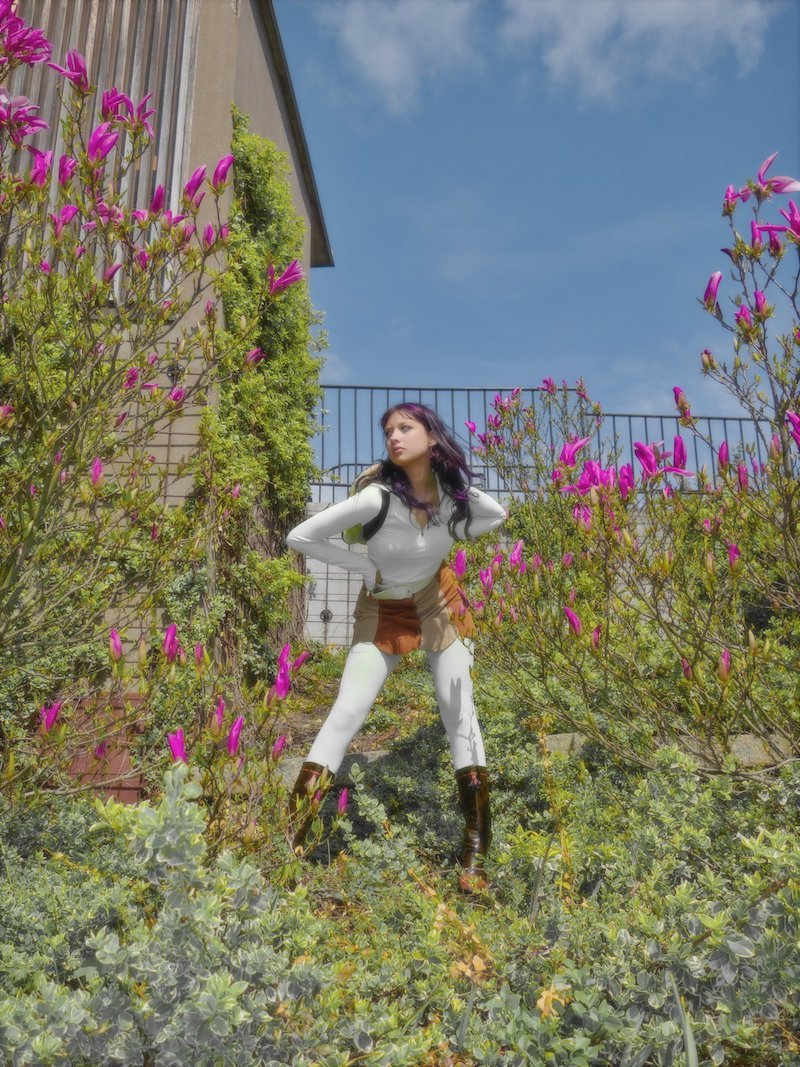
(350, 437)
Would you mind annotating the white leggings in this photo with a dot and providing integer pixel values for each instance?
(365, 671)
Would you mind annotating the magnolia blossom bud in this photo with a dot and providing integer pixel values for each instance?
(707, 360)
(724, 666)
(115, 645)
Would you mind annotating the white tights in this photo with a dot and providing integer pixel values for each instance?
(365, 671)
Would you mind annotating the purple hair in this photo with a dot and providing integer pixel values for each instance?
(447, 460)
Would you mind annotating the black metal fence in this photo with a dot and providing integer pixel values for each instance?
(351, 438)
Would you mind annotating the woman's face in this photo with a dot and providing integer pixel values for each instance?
(407, 440)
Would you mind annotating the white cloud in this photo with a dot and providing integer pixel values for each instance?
(600, 47)
(399, 47)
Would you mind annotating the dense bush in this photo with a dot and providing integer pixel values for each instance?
(660, 603)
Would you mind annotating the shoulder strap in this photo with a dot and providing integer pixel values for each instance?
(371, 528)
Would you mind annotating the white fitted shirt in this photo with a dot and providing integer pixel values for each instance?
(405, 553)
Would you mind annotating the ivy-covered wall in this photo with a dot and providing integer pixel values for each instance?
(255, 463)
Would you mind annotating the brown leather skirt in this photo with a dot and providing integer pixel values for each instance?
(431, 619)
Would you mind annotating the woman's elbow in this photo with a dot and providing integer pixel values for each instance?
(295, 541)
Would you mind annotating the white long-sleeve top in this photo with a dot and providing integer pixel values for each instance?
(405, 553)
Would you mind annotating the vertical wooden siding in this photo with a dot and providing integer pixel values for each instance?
(139, 46)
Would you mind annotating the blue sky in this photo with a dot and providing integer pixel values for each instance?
(516, 189)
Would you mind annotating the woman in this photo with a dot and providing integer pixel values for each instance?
(422, 500)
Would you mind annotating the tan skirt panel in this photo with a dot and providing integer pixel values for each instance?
(431, 619)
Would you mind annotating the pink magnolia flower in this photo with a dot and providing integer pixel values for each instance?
(115, 645)
(596, 635)
(742, 476)
(176, 395)
(190, 190)
(170, 643)
(112, 103)
(219, 711)
(177, 746)
(66, 168)
(459, 564)
(470, 426)
(292, 275)
(626, 480)
(567, 559)
(583, 516)
(772, 232)
(283, 681)
(679, 452)
(221, 173)
(63, 218)
(743, 317)
(548, 386)
(17, 117)
(792, 216)
(734, 552)
(571, 449)
(487, 580)
(101, 141)
(794, 420)
(341, 807)
(573, 621)
(142, 115)
(686, 667)
(97, 470)
(40, 170)
(298, 663)
(278, 747)
(710, 295)
(19, 42)
(49, 715)
(157, 201)
(647, 457)
(233, 736)
(75, 71)
(723, 456)
(760, 302)
(729, 202)
(780, 183)
(255, 355)
(199, 654)
(515, 560)
(44, 267)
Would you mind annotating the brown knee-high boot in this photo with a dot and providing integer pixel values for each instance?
(304, 802)
(473, 798)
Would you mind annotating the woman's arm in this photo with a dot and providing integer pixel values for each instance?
(312, 537)
(485, 514)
